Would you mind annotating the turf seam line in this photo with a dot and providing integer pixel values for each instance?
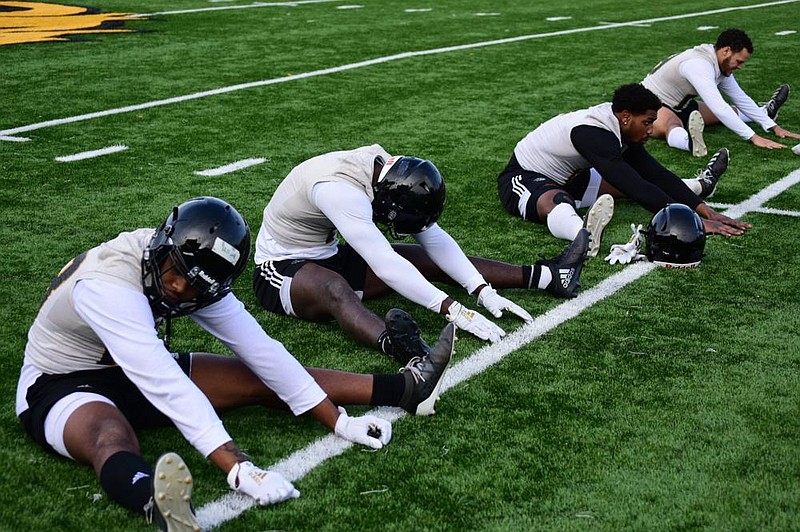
(365, 63)
(301, 462)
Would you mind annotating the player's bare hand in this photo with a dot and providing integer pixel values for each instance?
(779, 132)
(733, 222)
(761, 142)
(714, 227)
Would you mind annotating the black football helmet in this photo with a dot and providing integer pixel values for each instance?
(208, 242)
(409, 195)
(675, 237)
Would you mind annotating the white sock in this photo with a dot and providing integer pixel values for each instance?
(544, 278)
(678, 138)
(694, 185)
(564, 222)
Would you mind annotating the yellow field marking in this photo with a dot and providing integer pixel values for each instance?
(32, 22)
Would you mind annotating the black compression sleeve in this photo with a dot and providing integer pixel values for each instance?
(647, 166)
(601, 148)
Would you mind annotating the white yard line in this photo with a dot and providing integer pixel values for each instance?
(760, 210)
(300, 463)
(232, 167)
(369, 62)
(91, 154)
(240, 6)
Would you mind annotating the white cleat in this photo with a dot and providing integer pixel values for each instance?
(696, 127)
(172, 494)
(597, 219)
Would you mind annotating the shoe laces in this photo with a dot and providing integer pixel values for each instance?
(413, 368)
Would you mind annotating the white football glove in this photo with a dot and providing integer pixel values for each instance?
(266, 487)
(630, 252)
(367, 430)
(473, 322)
(489, 299)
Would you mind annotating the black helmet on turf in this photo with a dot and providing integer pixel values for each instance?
(675, 237)
(409, 195)
(208, 242)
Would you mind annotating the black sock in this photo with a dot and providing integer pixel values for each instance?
(387, 389)
(127, 479)
(531, 275)
(385, 343)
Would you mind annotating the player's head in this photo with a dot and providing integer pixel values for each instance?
(207, 242)
(675, 237)
(735, 39)
(733, 49)
(409, 195)
(636, 109)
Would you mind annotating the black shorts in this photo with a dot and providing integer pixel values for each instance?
(515, 183)
(684, 113)
(111, 383)
(272, 279)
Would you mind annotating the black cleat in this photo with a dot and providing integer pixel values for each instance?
(172, 495)
(709, 176)
(566, 268)
(778, 98)
(404, 336)
(424, 375)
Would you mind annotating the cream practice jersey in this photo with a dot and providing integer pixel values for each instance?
(695, 72)
(548, 149)
(332, 194)
(95, 315)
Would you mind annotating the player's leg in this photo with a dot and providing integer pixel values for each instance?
(332, 289)
(229, 383)
(683, 130)
(314, 292)
(98, 434)
(544, 274)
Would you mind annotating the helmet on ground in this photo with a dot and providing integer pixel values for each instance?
(409, 195)
(675, 237)
(209, 244)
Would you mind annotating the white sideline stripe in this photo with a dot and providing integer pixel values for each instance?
(369, 62)
(232, 167)
(761, 210)
(14, 139)
(90, 154)
(298, 464)
(223, 8)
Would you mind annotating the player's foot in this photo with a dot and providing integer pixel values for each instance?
(696, 142)
(778, 98)
(424, 375)
(566, 268)
(404, 334)
(172, 494)
(597, 219)
(709, 176)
